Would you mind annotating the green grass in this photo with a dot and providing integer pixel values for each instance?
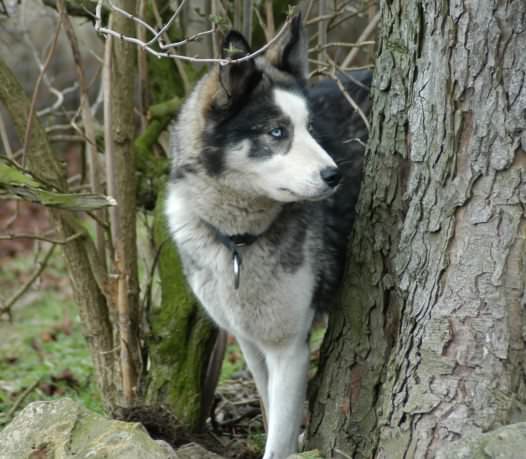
(233, 362)
(43, 347)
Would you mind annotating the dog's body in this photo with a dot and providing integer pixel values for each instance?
(252, 208)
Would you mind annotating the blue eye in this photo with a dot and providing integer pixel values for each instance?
(278, 132)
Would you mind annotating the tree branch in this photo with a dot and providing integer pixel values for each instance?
(6, 308)
(88, 122)
(147, 46)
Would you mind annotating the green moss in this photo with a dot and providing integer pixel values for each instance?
(181, 337)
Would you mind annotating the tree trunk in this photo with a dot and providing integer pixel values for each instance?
(428, 345)
(123, 71)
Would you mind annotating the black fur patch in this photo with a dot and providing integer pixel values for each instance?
(342, 133)
(288, 234)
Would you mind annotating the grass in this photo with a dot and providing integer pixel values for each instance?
(42, 347)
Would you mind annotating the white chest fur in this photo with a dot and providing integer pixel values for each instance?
(271, 304)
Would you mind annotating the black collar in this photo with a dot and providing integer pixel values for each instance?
(233, 242)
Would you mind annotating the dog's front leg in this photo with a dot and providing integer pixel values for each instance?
(287, 366)
(258, 367)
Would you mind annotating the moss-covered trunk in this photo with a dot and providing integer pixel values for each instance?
(428, 345)
(181, 337)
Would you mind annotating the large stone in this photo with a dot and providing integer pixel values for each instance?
(508, 442)
(63, 429)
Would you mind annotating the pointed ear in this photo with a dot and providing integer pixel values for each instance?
(237, 80)
(290, 54)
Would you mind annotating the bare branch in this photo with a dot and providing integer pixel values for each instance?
(37, 88)
(322, 30)
(11, 237)
(347, 96)
(147, 45)
(340, 44)
(108, 140)
(5, 308)
(20, 399)
(365, 34)
(180, 68)
(87, 119)
(270, 30)
(5, 139)
(247, 20)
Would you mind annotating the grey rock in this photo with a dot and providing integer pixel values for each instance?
(63, 429)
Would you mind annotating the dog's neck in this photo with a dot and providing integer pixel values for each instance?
(232, 213)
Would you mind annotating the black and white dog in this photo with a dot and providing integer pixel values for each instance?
(265, 176)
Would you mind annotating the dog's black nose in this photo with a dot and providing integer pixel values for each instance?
(331, 176)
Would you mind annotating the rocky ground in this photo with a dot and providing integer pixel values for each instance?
(64, 429)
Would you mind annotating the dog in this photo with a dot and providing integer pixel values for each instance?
(265, 175)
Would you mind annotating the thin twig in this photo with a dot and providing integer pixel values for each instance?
(59, 101)
(20, 400)
(36, 90)
(247, 20)
(224, 61)
(6, 308)
(5, 139)
(341, 453)
(123, 308)
(10, 237)
(142, 69)
(322, 31)
(187, 86)
(147, 300)
(363, 37)
(339, 44)
(88, 121)
(347, 96)
(270, 30)
(108, 141)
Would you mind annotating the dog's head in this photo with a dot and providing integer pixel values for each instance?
(257, 134)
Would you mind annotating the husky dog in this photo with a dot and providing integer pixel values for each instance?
(260, 210)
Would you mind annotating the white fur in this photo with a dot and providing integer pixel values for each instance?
(270, 314)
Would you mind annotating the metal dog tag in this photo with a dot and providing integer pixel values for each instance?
(236, 259)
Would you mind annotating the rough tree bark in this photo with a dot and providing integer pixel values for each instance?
(428, 345)
(123, 71)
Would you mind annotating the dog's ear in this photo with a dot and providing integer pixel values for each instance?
(237, 80)
(290, 53)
